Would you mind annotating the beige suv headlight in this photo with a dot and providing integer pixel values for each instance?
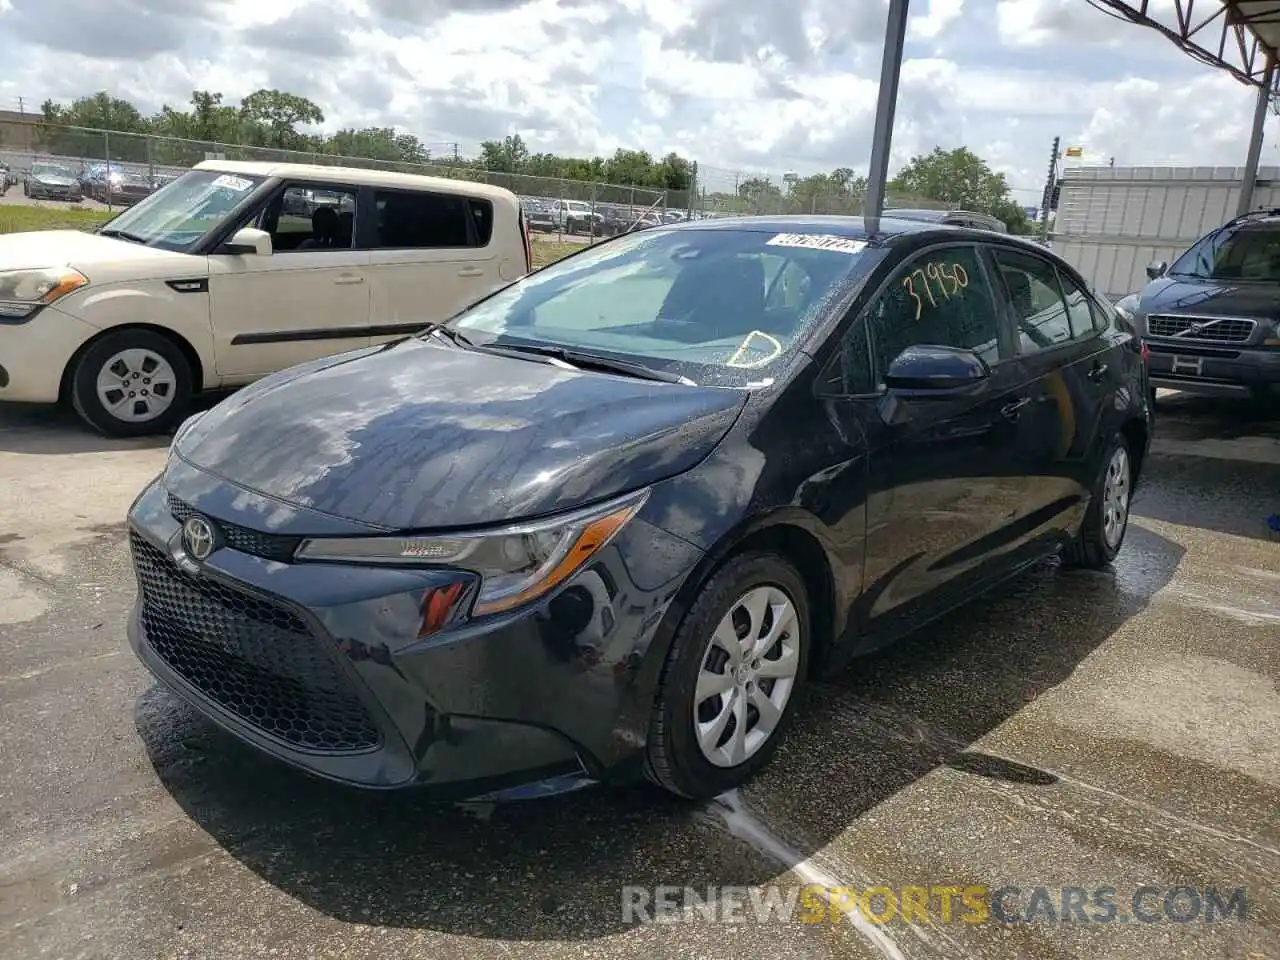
(23, 292)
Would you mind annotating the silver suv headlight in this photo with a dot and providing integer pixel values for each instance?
(517, 563)
(1127, 307)
(23, 292)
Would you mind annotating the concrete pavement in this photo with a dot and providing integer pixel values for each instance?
(1078, 730)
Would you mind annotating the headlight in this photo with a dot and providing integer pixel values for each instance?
(22, 292)
(1127, 307)
(517, 564)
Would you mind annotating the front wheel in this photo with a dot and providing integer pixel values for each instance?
(132, 383)
(732, 674)
(1107, 519)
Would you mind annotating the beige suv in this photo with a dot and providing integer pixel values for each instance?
(236, 270)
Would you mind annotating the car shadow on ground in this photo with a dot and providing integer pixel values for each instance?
(554, 869)
(39, 429)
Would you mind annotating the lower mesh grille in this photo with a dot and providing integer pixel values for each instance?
(251, 657)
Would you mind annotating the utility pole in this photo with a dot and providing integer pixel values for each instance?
(1047, 199)
(22, 107)
(886, 103)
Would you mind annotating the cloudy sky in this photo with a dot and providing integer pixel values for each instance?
(739, 85)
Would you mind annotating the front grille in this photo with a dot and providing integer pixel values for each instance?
(249, 656)
(1218, 329)
(270, 546)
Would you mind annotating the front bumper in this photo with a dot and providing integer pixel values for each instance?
(320, 665)
(1214, 371)
(35, 351)
(48, 192)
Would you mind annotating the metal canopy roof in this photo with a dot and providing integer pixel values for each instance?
(1239, 36)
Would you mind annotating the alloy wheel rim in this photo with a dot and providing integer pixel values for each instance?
(136, 385)
(746, 677)
(1115, 498)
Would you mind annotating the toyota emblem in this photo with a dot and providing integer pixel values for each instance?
(197, 538)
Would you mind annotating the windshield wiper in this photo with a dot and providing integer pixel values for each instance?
(123, 235)
(591, 361)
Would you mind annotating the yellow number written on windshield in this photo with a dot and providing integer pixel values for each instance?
(948, 279)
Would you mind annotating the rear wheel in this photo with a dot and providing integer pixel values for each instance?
(132, 383)
(1107, 520)
(731, 678)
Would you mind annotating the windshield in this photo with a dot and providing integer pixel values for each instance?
(1250, 251)
(721, 307)
(185, 210)
(51, 170)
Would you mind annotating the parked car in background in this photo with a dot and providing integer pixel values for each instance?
(51, 181)
(208, 284)
(955, 218)
(576, 216)
(1211, 319)
(121, 187)
(6, 177)
(540, 215)
(660, 559)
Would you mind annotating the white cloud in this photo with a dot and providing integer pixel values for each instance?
(739, 85)
(939, 15)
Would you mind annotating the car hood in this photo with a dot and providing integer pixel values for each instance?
(75, 248)
(1210, 298)
(53, 181)
(426, 436)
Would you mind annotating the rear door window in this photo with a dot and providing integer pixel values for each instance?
(1035, 299)
(419, 220)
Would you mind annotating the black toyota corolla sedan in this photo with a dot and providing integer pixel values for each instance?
(606, 522)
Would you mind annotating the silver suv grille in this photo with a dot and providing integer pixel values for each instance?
(1214, 329)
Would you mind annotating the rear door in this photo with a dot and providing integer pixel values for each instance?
(1065, 360)
(432, 254)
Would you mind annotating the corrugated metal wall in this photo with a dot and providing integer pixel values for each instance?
(1113, 221)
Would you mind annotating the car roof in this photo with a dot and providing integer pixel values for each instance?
(358, 176)
(853, 227)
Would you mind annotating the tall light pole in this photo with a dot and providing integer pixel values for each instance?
(895, 34)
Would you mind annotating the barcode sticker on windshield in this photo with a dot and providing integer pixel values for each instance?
(818, 241)
(238, 184)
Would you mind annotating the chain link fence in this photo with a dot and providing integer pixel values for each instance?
(587, 208)
(568, 208)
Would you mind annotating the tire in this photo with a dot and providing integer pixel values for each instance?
(675, 760)
(134, 354)
(1098, 541)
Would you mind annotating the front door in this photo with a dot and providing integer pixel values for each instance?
(308, 299)
(943, 486)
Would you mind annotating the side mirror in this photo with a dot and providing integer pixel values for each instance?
(248, 240)
(929, 369)
(1156, 269)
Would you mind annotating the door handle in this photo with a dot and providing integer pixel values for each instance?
(470, 272)
(346, 278)
(1013, 410)
(1098, 372)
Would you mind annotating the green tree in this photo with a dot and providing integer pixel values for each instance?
(98, 112)
(275, 116)
(376, 143)
(508, 155)
(962, 179)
